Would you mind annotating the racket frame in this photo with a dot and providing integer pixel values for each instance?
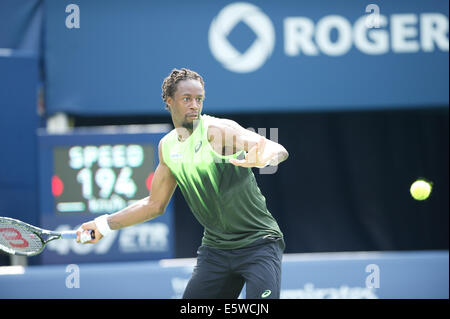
(39, 232)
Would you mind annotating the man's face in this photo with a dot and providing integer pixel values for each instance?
(186, 104)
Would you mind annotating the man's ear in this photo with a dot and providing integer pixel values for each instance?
(169, 102)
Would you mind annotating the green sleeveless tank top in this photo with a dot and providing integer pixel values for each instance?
(224, 198)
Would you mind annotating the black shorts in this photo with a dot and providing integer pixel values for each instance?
(221, 274)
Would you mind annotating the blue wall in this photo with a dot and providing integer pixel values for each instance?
(334, 275)
(20, 25)
(18, 143)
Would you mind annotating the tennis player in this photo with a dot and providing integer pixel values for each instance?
(210, 159)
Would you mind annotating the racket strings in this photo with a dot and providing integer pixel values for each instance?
(18, 238)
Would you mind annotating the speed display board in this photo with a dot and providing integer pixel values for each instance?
(86, 174)
(101, 178)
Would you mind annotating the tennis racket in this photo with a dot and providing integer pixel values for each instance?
(20, 238)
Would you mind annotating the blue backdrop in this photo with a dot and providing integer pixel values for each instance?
(111, 56)
(18, 145)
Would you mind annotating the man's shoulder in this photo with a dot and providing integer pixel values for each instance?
(218, 123)
(167, 137)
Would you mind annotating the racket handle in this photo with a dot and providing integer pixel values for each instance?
(84, 236)
(87, 236)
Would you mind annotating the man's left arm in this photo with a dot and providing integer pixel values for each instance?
(260, 151)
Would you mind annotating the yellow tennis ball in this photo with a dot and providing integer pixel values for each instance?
(420, 189)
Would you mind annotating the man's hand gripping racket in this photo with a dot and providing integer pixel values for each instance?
(20, 238)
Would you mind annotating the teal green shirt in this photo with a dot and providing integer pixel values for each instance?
(223, 197)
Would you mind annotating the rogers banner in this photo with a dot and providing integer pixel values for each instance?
(111, 56)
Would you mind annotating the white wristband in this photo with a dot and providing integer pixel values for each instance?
(102, 225)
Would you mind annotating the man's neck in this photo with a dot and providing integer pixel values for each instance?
(183, 133)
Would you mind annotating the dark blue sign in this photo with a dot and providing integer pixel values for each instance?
(87, 174)
(110, 57)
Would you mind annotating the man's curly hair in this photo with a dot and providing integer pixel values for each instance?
(169, 85)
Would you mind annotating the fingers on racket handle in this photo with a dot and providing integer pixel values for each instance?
(87, 236)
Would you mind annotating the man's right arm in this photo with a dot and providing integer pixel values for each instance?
(162, 189)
